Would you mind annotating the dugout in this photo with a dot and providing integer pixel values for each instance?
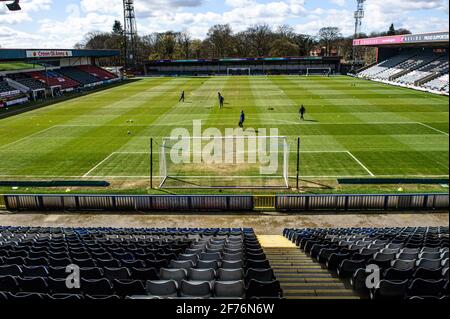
(245, 66)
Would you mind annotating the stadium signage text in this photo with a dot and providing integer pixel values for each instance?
(48, 54)
(402, 39)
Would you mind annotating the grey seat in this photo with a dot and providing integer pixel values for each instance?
(213, 250)
(410, 251)
(230, 274)
(429, 263)
(233, 250)
(229, 289)
(184, 264)
(233, 257)
(430, 250)
(403, 264)
(407, 256)
(162, 288)
(202, 274)
(369, 251)
(394, 246)
(428, 255)
(208, 264)
(196, 251)
(234, 246)
(177, 274)
(200, 289)
(191, 257)
(390, 290)
(226, 264)
(211, 256)
(390, 251)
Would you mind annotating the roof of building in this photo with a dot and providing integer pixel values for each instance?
(48, 54)
(225, 60)
(407, 39)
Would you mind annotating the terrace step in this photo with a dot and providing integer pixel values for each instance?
(299, 275)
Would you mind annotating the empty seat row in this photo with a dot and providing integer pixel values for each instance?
(208, 289)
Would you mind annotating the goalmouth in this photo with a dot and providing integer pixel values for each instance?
(235, 162)
(239, 71)
(319, 71)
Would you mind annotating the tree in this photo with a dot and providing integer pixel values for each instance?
(241, 46)
(117, 28)
(220, 36)
(328, 36)
(305, 44)
(391, 30)
(286, 32)
(283, 48)
(184, 40)
(259, 37)
(196, 49)
(165, 44)
(402, 31)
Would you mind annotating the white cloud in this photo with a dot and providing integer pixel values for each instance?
(85, 16)
(340, 3)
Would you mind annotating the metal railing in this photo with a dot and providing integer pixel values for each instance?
(192, 203)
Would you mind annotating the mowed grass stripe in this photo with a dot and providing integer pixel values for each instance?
(391, 131)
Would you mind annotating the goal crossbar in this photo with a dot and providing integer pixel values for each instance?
(238, 162)
(246, 70)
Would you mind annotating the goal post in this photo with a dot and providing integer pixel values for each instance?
(235, 162)
(239, 71)
(319, 71)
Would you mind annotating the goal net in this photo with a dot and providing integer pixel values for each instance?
(238, 71)
(319, 71)
(245, 162)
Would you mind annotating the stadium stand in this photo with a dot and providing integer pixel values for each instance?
(414, 69)
(133, 263)
(54, 79)
(98, 72)
(79, 76)
(6, 89)
(386, 65)
(413, 261)
(28, 81)
(439, 84)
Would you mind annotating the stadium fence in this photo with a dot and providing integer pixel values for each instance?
(223, 203)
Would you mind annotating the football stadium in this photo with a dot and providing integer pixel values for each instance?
(163, 167)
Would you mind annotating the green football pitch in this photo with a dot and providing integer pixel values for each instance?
(353, 128)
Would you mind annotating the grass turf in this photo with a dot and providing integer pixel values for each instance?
(363, 130)
(15, 66)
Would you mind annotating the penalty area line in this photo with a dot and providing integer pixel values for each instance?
(432, 128)
(361, 164)
(100, 163)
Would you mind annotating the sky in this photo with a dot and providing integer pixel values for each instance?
(62, 23)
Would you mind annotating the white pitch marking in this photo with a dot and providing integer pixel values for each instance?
(359, 162)
(29, 136)
(100, 163)
(313, 176)
(430, 127)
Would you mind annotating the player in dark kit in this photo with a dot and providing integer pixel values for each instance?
(302, 112)
(181, 97)
(242, 120)
(220, 98)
